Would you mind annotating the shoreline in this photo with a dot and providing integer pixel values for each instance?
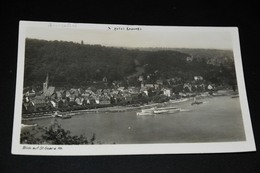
(114, 109)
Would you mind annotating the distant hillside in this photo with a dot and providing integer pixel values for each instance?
(198, 53)
(77, 64)
(207, 53)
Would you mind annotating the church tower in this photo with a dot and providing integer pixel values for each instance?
(45, 84)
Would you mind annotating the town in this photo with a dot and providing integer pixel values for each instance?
(52, 98)
(89, 77)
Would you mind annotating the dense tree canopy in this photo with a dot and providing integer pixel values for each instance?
(77, 64)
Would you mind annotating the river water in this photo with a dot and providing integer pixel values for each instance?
(218, 119)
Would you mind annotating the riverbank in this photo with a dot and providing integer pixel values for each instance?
(150, 105)
(123, 108)
(218, 119)
(114, 109)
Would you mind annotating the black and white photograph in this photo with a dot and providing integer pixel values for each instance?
(103, 89)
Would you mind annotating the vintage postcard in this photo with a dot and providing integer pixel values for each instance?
(103, 89)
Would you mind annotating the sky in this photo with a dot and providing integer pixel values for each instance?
(206, 38)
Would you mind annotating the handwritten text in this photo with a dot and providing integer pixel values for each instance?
(62, 25)
(41, 148)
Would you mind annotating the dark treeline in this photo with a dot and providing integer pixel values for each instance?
(72, 63)
(77, 64)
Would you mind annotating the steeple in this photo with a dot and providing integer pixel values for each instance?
(46, 84)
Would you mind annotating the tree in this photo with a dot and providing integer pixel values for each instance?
(55, 134)
(71, 63)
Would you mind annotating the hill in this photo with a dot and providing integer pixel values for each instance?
(198, 53)
(75, 64)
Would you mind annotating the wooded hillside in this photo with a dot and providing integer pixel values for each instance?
(77, 64)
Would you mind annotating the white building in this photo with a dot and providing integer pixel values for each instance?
(198, 78)
(167, 91)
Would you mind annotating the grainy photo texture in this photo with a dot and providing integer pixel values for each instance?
(86, 89)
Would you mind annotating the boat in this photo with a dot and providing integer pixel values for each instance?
(179, 100)
(167, 108)
(62, 115)
(196, 103)
(235, 96)
(148, 110)
(144, 113)
(160, 111)
(28, 125)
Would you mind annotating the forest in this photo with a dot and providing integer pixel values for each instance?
(78, 64)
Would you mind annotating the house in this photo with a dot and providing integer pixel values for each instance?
(104, 80)
(149, 76)
(104, 100)
(99, 91)
(120, 89)
(210, 87)
(29, 92)
(79, 100)
(156, 86)
(81, 91)
(198, 78)
(141, 78)
(167, 91)
(49, 91)
(88, 92)
(38, 104)
(26, 102)
(118, 98)
(53, 103)
(90, 100)
(187, 87)
(106, 91)
(149, 85)
(96, 98)
(215, 61)
(125, 92)
(189, 59)
(144, 90)
(133, 90)
(74, 91)
(114, 92)
(67, 93)
(58, 95)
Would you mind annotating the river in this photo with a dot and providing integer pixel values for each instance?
(218, 119)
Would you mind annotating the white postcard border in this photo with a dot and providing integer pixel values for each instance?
(174, 148)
